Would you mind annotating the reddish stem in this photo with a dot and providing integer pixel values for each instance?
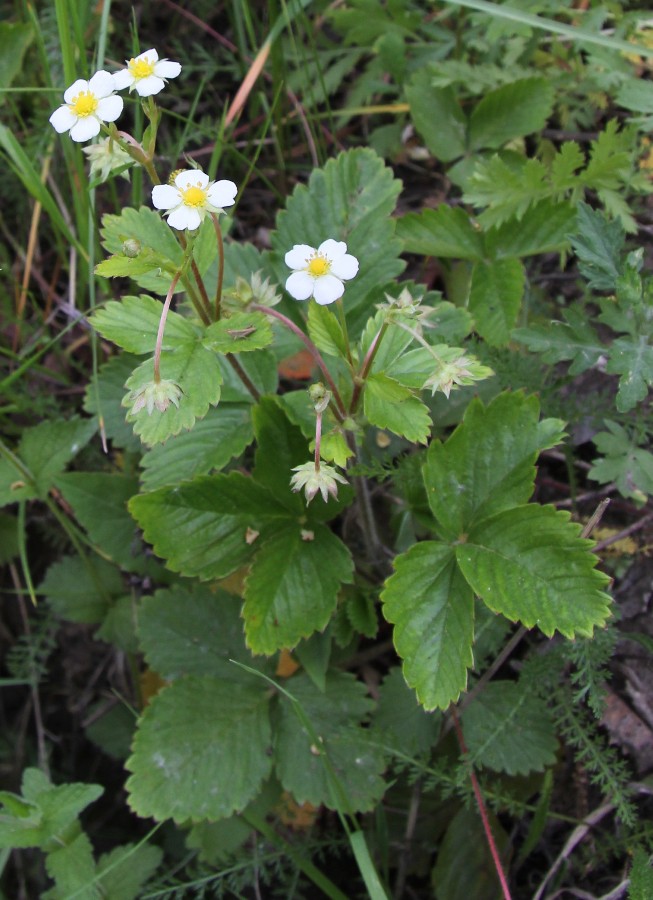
(162, 325)
(218, 291)
(365, 368)
(312, 349)
(481, 808)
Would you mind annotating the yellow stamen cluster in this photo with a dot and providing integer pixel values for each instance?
(194, 196)
(319, 265)
(141, 68)
(84, 104)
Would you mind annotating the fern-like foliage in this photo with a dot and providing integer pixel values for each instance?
(27, 660)
(590, 659)
(507, 185)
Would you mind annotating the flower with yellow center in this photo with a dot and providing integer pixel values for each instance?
(87, 104)
(146, 73)
(320, 273)
(191, 197)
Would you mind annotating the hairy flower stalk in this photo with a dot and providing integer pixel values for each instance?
(218, 290)
(162, 325)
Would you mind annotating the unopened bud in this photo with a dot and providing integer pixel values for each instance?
(131, 248)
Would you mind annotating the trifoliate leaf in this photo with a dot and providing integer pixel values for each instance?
(509, 729)
(389, 404)
(222, 434)
(332, 762)
(200, 751)
(530, 564)
(432, 609)
(238, 333)
(488, 463)
(133, 324)
(293, 585)
(510, 111)
(495, 297)
(42, 453)
(206, 527)
(193, 631)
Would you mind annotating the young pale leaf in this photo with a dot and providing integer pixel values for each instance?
(444, 232)
(202, 527)
(574, 339)
(133, 324)
(325, 330)
(239, 333)
(200, 751)
(432, 609)
(488, 463)
(511, 111)
(42, 453)
(437, 116)
(495, 298)
(530, 565)
(632, 358)
(598, 244)
(509, 729)
(193, 631)
(145, 227)
(332, 763)
(222, 434)
(350, 200)
(121, 266)
(293, 585)
(198, 376)
(389, 404)
(44, 812)
(99, 501)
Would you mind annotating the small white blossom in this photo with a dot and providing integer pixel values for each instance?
(191, 197)
(320, 273)
(146, 73)
(106, 156)
(87, 104)
(312, 480)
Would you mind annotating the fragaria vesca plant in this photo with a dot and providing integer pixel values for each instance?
(262, 499)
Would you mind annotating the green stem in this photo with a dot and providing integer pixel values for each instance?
(162, 325)
(340, 410)
(218, 290)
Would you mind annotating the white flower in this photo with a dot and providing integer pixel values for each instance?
(320, 273)
(86, 105)
(191, 197)
(146, 73)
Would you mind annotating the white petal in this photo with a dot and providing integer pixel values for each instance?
(327, 289)
(184, 217)
(147, 87)
(166, 68)
(191, 178)
(102, 84)
(123, 79)
(298, 257)
(332, 249)
(165, 196)
(109, 108)
(76, 88)
(222, 193)
(345, 267)
(62, 119)
(151, 55)
(85, 129)
(300, 285)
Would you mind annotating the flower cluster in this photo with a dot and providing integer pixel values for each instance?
(89, 104)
